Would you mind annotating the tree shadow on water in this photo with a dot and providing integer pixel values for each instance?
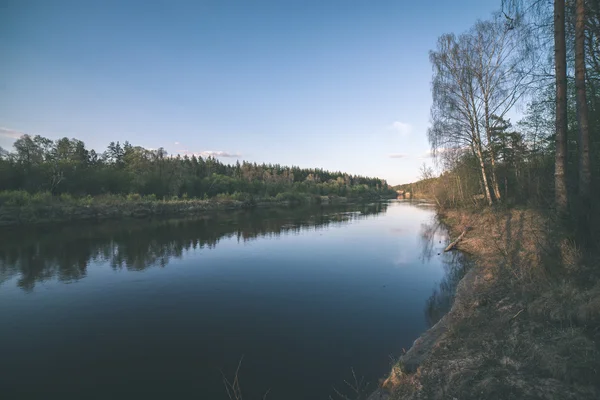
(456, 265)
(434, 238)
(431, 234)
(38, 254)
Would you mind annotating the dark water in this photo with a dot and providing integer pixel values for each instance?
(160, 309)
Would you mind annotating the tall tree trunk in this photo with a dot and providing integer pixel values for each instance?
(582, 109)
(460, 189)
(476, 135)
(495, 186)
(488, 131)
(591, 84)
(486, 187)
(560, 61)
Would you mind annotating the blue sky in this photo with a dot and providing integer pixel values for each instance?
(342, 85)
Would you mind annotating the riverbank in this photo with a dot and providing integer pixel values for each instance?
(22, 209)
(525, 323)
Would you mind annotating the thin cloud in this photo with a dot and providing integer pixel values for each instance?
(176, 143)
(401, 127)
(397, 155)
(10, 133)
(210, 153)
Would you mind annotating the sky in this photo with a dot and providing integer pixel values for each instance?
(340, 85)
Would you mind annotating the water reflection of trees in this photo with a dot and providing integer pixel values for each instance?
(36, 255)
(431, 233)
(439, 303)
(434, 238)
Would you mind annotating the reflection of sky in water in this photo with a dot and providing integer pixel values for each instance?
(302, 304)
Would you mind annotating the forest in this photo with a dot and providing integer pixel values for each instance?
(66, 168)
(535, 61)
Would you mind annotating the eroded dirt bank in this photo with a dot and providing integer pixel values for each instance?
(525, 323)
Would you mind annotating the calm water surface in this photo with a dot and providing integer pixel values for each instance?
(160, 309)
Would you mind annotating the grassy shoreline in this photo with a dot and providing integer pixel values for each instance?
(22, 209)
(525, 323)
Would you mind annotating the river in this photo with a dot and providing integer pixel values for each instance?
(302, 297)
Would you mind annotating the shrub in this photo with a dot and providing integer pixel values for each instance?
(134, 197)
(14, 197)
(87, 200)
(223, 197)
(66, 198)
(241, 196)
(109, 199)
(42, 198)
(291, 197)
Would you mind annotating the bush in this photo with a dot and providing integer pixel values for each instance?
(66, 198)
(14, 198)
(111, 199)
(291, 197)
(87, 200)
(224, 197)
(42, 198)
(134, 197)
(241, 196)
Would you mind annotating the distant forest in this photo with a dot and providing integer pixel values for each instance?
(66, 166)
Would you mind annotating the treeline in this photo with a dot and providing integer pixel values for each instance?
(66, 166)
(544, 57)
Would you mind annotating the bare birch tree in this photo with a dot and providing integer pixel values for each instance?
(455, 112)
(476, 76)
(498, 53)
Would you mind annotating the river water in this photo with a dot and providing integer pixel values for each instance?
(305, 298)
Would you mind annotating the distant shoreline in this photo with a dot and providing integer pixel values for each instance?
(51, 212)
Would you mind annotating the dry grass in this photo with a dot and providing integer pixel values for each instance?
(233, 388)
(525, 323)
(354, 389)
